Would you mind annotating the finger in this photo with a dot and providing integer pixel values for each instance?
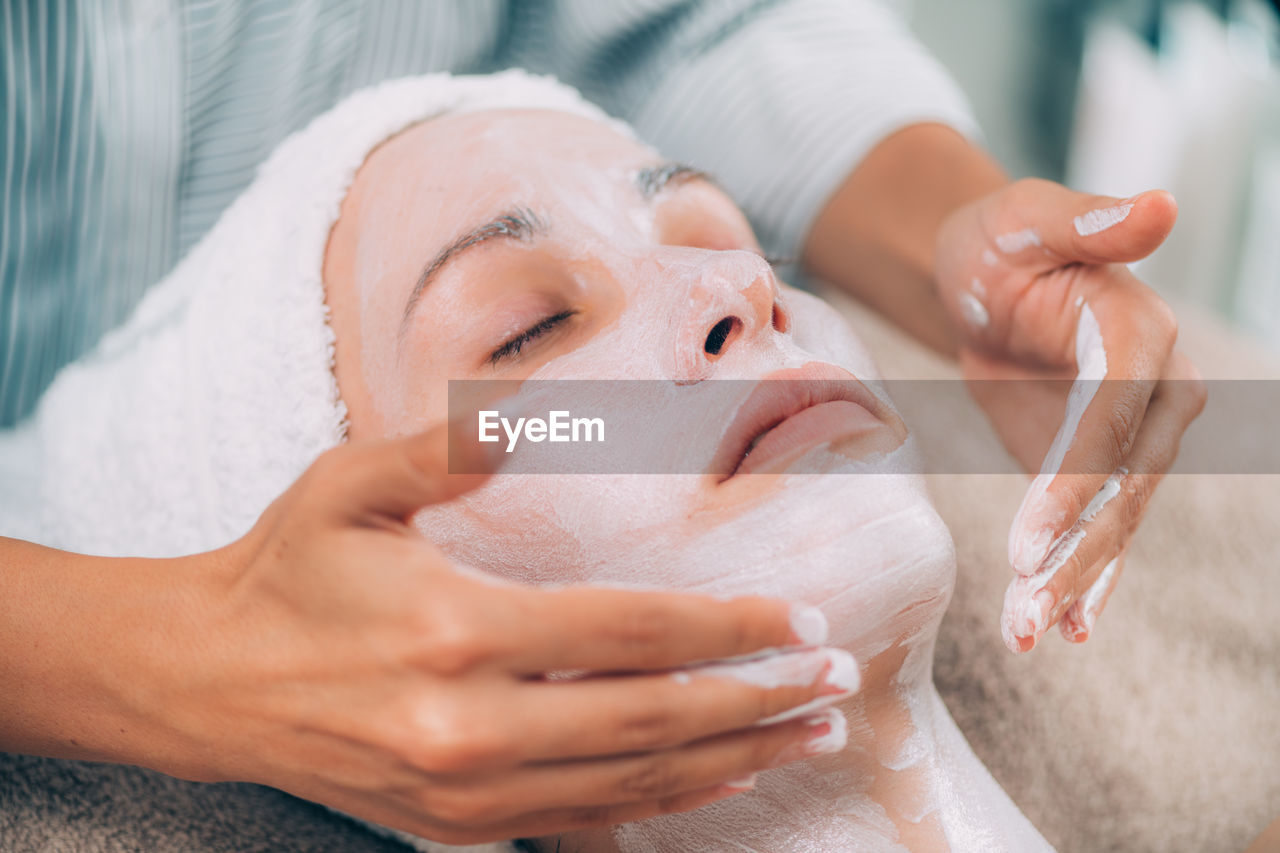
(648, 778)
(1077, 623)
(395, 478)
(1023, 621)
(562, 820)
(1123, 342)
(596, 717)
(416, 812)
(1034, 602)
(1038, 225)
(614, 630)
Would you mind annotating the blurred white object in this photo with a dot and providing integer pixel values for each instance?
(1257, 304)
(1190, 120)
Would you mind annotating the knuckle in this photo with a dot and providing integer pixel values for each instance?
(330, 467)
(1064, 584)
(1135, 491)
(1197, 396)
(1191, 384)
(654, 778)
(1160, 316)
(444, 741)
(647, 728)
(1077, 490)
(451, 644)
(1121, 427)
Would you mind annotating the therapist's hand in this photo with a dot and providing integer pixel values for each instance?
(349, 662)
(1016, 270)
(928, 230)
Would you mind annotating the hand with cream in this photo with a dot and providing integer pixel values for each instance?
(1027, 280)
(1035, 280)
(423, 694)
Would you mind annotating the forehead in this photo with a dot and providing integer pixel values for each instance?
(445, 173)
(498, 144)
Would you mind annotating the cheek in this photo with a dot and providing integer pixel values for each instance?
(870, 550)
(406, 381)
(564, 528)
(882, 567)
(638, 344)
(819, 329)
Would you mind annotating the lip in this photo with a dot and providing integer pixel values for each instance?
(793, 410)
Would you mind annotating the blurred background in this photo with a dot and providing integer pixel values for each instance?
(1118, 96)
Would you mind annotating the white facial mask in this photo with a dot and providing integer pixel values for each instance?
(840, 531)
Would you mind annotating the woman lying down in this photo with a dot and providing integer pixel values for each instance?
(563, 250)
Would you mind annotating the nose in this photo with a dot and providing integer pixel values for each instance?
(733, 301)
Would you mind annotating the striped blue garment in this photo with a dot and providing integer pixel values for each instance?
(127, 126)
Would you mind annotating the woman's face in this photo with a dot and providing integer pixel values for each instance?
(523, 245)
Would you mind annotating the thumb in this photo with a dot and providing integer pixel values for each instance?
(1078, 227)
(394, 478)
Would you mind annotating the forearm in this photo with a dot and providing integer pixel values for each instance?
(87, 645)
(875, 237)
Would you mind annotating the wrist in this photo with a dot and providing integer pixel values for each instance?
(877, 236)
(94, 655)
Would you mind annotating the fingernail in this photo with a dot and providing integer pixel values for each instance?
(843, 677)
(827, 733)
(779, 669)
(841, 681)
(1033, 614)
(1071, 629)
(746, 783)
(808, 625)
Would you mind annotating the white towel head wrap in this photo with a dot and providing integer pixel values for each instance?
(186, 422)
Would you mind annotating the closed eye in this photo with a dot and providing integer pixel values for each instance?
(512, 348)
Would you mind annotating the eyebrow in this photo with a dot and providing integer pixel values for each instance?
(519, 223)
(522, 224)
(652, 179)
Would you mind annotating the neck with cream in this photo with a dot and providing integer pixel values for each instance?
(920, 787)
(907, 781)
